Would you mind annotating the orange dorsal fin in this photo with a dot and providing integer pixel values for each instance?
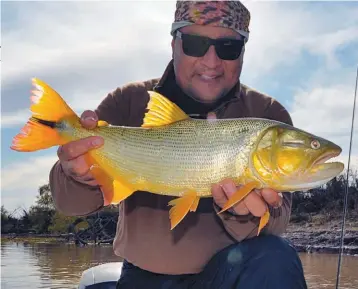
(161, 111)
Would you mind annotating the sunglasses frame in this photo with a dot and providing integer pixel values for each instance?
(210, 41)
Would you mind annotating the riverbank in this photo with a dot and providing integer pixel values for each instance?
(36, 238)
(322, 234)
(313, 234)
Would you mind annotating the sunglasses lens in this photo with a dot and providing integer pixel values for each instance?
(195, 46)
(229, 49)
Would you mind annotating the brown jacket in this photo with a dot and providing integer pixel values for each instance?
(143, 236)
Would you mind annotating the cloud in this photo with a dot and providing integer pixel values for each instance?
(21, 180)
(282, 32)
(324, 110)
(84, 42)
(35, 172)
(15, 118)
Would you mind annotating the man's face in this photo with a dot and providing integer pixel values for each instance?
(206, 78)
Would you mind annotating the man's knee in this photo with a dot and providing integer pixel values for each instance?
(270, 259)
(265, 247)
(272, 243)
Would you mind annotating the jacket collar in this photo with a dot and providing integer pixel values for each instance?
(169, 88)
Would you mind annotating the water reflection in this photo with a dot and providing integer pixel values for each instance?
(321, 271)
(49, 265)
(55, 266)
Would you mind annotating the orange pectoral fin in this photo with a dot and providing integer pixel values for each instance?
(181, 206)
(114, 191)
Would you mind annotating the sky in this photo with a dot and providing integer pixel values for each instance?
(304, 54)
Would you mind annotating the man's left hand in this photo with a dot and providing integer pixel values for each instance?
(254, 203)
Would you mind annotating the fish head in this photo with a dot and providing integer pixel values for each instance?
(287, 158)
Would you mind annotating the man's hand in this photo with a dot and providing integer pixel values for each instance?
(255, 202)
(71, 155)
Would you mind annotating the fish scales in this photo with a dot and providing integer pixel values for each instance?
(188, 154)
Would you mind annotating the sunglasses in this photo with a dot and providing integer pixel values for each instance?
(197, 46)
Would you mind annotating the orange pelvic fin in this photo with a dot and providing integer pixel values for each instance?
(181, 206)
(114, 190)
(240, 195)
(263, 221)
(47, 109)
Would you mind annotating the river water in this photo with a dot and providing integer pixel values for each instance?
(53, 266)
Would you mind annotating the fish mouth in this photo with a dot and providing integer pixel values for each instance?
(323, 171)
(325, 157)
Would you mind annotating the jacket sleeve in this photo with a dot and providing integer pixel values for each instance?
(246, 226)
(71, 197)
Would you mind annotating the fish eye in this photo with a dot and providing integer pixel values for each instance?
(315, 144)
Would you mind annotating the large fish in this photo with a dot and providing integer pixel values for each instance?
(173, 154)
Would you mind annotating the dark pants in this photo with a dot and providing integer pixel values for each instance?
(265, 262)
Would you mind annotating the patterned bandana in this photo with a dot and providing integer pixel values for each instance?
(228, 14)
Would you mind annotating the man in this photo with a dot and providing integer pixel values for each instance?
(205, 250)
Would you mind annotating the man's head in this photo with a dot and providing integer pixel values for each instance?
(208, 72)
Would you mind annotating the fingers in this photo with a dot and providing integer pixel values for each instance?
(211, 115)
(218, 195)
(223, 191)
(89, 119)
(77, 168)
(76, 148)
(255, 204)
(272, 197)
(71, 155)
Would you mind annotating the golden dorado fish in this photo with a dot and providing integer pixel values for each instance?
(173, 154)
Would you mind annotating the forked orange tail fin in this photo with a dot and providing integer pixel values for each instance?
(48, 109)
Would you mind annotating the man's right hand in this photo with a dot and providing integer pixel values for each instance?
(71, 155)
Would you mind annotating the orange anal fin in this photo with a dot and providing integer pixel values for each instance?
(263, 221)
(114, 190)
(105, 182)
(181, 206)
(239, 195)
(122, 190)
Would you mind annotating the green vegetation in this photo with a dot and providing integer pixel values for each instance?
(42, 218)
(325, 204)
(320, 205)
